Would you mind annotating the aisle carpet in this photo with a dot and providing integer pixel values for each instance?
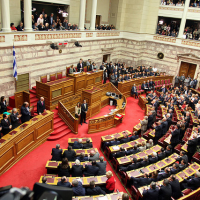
(29, 169)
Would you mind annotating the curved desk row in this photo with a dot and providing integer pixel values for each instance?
(22, 140)
(125, 87)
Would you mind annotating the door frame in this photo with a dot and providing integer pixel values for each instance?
(189, 58)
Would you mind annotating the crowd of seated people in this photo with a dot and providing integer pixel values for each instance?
(173, 2)
(12, 120)
(171, 29)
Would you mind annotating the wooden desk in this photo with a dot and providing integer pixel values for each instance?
(137, 127)
(126, 86)
(128, 145)
(72, 140)
(85, 151)
(99, 180)
(120, 135)
(18, 143)
(54, 91)
(140, 155)
(142, 102)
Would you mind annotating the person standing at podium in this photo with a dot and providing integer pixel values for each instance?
(25, 112)
(84, 109)
(41, 106)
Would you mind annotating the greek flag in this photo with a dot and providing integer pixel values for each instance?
(14, 64)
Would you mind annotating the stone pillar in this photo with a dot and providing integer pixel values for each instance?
(28, 15)
(183, 20)
(82, 15)
(93, 15)
(5, 10)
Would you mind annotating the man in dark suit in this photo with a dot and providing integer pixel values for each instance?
(150, 120)
(125, 139)
(176, 188)
(161, 154)
(94, 190)
(182, 156)
(164, 174)
(168, 150)
(175, 168)
(139, 182)
(77, 169)
(80, 66)
(191, 148)
(64, 182)
(144, 162)
(133, 151)
(102, 166)
(41, 106)
(56, 153)
(134, 165)
(91, 170)
(164, 126)
(15, 118)
(82, 157)
(192, 182)
(25, 112)
(51, 19)
(165, 191)
(134, 136)
(175, 136)
(69, 154)
(78, 144)
(88, 144)
(92, 67)
(182, 165)
(84, 109)
(114, 142)
(3, 105)
(152, 193)
(120, 153)
(145, 87)
(153, 158)
(158, 132)
(6, 125)
(134, 91)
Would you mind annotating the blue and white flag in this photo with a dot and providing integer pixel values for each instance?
(14, 64)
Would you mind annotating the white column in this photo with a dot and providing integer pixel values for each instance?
(28, 15)
(93, 15)
(183, 20)
(5, 9)
(82, 15)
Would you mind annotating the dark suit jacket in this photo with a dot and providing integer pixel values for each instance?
(70, 155)
(151, 194)
(77, 145)
(164, 127)
(3, 107)
(133, 137)
(132, 151)
(184, 157)
(153, 160)
(165, 192)
(79, 67)
(120, 154)
(133, 166)
(150, 121)
(139, 182)
(91, 170)
(193, 183)
(56, 154)
(125, 140)
(40, 107)
(192, 145)
(102, 168)
(168, 153)
(14, 121)
(158, 132)
(63, 172)
(94, 191)
(87, 146)
(5, 126)
(65, 184)
(161, 155)
(83, 109)
(77, 170)
(175, 136)
(25, 114)
(144, 163)
(112, 143)
(82, 159)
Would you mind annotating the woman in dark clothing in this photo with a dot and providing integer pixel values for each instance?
(3, 105)
(63, 168)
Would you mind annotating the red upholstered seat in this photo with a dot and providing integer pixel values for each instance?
(85, 69)
(135, 193)
(140, 89)
(162, 82)
(169, 82)
(159, 85)
(186, 191)
(52, 77)
(59, 76)
(44, 80)
(177, 148)
(156, 84)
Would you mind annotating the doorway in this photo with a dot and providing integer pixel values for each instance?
(106, 57)
(188, 69)
(98, 20)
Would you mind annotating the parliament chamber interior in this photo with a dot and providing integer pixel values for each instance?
(99, 100)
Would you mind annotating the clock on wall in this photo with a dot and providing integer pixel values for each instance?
(160, 55)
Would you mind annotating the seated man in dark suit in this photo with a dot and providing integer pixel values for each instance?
(174, 168)
(64, 182)
(165, 191)
(133, 151)
(41, 106)
(77, 169)
(114, 142)
(25, 112)
(141, 181)
(78, 189)
(94, 190)
(78, 144)
(168, 150)
(176, 188)
(102, 166)
(134, 136)
(82, 157)
(192, 182)
(152, 193)
(125, 139)
(161, 154)
(6, 125)
(91, 170)
(144, 162)
(134, 165)
(164, 174)
(153, 158)
(56, 153)
(120, 153)
(182, 165)
(88, 144)
(69, 154)
(182, 156)
(15, 118)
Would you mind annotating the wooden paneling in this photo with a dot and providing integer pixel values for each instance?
(22, 83)
(20, 98)
(192, 69)
(24, 141)
(187, 69)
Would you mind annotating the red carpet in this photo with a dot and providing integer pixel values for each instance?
(29, 169)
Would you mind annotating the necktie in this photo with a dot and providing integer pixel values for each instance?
(42, 102)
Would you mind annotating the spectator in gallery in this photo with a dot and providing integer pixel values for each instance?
(3, 105)
(40, 20)
(46, 19)
(12, 26)
(35, 26)
(20, 27)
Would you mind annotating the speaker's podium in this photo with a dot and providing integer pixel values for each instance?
(93, 99)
